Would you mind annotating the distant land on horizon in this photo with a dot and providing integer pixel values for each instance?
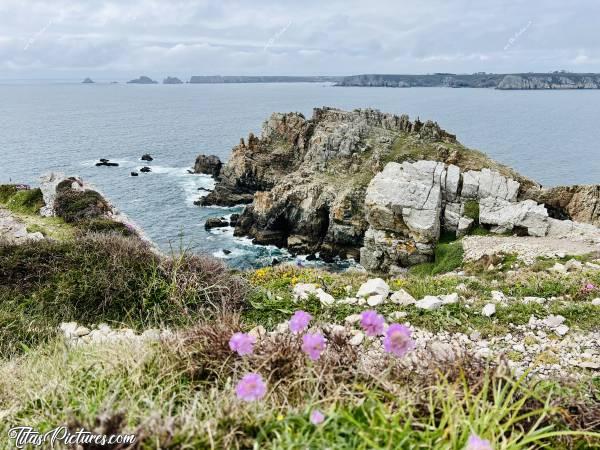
(512, 81)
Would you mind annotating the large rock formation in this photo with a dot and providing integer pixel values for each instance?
(209, 165)
(381, 188)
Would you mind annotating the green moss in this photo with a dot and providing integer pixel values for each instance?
(35, 228)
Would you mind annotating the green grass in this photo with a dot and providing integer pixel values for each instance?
(6, 192)
(472, 210)
(448, 257)
(74, 206)
(26, 201)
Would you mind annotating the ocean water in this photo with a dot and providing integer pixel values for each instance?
(550, 136)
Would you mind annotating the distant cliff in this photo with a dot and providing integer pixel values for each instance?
(555, 80)
(209, 79)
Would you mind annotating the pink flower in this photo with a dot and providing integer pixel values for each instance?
(588, 287)
(316, 417)
(251, 387)
(299, 321)
(242, 343)
(476, 443)
(372, 322)
(313, 344)
(397, 340)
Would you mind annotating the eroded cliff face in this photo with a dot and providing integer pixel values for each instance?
(379, 188)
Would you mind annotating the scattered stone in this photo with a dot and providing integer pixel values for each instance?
(553, 321)
(401, 297)
(449, 299)
(134, 174)
(397, 315)
(357, 338)
(538, 300)
(348, 301)
(374, 286)
(145, 169)
(353, 318)
(498, 297)
(561, 330)
(325, 298)
(303, 290)
(559, 268)
(573, 265)
(591, 265)
(489, 310)
(596, 302)
(429, 302)
(475, 335)
(589, 365)
(375, 300)
(257, 331)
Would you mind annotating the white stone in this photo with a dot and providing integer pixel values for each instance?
(561, 330)
(498, 297)
(348, 301)
(375, 300)
(282, 327)
(151, 335)
(257, 331)
(325, 298)
(538, 300)
(573, 264)
(401, 297)
(596, 302)
(429, 302)
(519, 348)
(397, 315)
(449, 298)
(592, 266)
(303, 290)
(558, 267)
(357, 338)
(353, 318)
(373, 286)
(68, 328)
(489, 310)
(553, 321)
(464, 225)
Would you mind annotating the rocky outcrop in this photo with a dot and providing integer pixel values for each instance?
(172, 80)
(580, 203)
(550, 81)
(88, 81)
(379, 188)
(209, 165)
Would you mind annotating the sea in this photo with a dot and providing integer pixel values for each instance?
(552, 137)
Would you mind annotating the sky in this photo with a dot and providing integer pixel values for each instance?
(122, 39)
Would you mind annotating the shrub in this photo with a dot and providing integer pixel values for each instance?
(448, 256)
(6, 192)
(99, 278)
(74, 206)
(105, 226)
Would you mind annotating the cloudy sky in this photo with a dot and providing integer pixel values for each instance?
(124, 38)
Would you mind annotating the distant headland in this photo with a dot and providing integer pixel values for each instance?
(516, 81)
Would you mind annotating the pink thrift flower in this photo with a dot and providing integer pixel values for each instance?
(397, 340)
(476, 443)
(242, 343)
(372, 322)
(316, 417)
(313, 344)
(299, 321)
(251, 387)
(588, 287)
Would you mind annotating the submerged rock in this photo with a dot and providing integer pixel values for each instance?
(146, 157)
(145, 169)
(216, 222)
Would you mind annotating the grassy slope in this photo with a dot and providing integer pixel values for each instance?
(179, 393)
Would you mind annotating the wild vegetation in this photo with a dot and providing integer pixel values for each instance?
(183, 390)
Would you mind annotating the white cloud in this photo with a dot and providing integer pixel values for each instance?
(123, 38)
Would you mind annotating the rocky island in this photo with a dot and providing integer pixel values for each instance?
(172, 80)
(88, 81)
(383, 189)
(142, 80)
(517, 81)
